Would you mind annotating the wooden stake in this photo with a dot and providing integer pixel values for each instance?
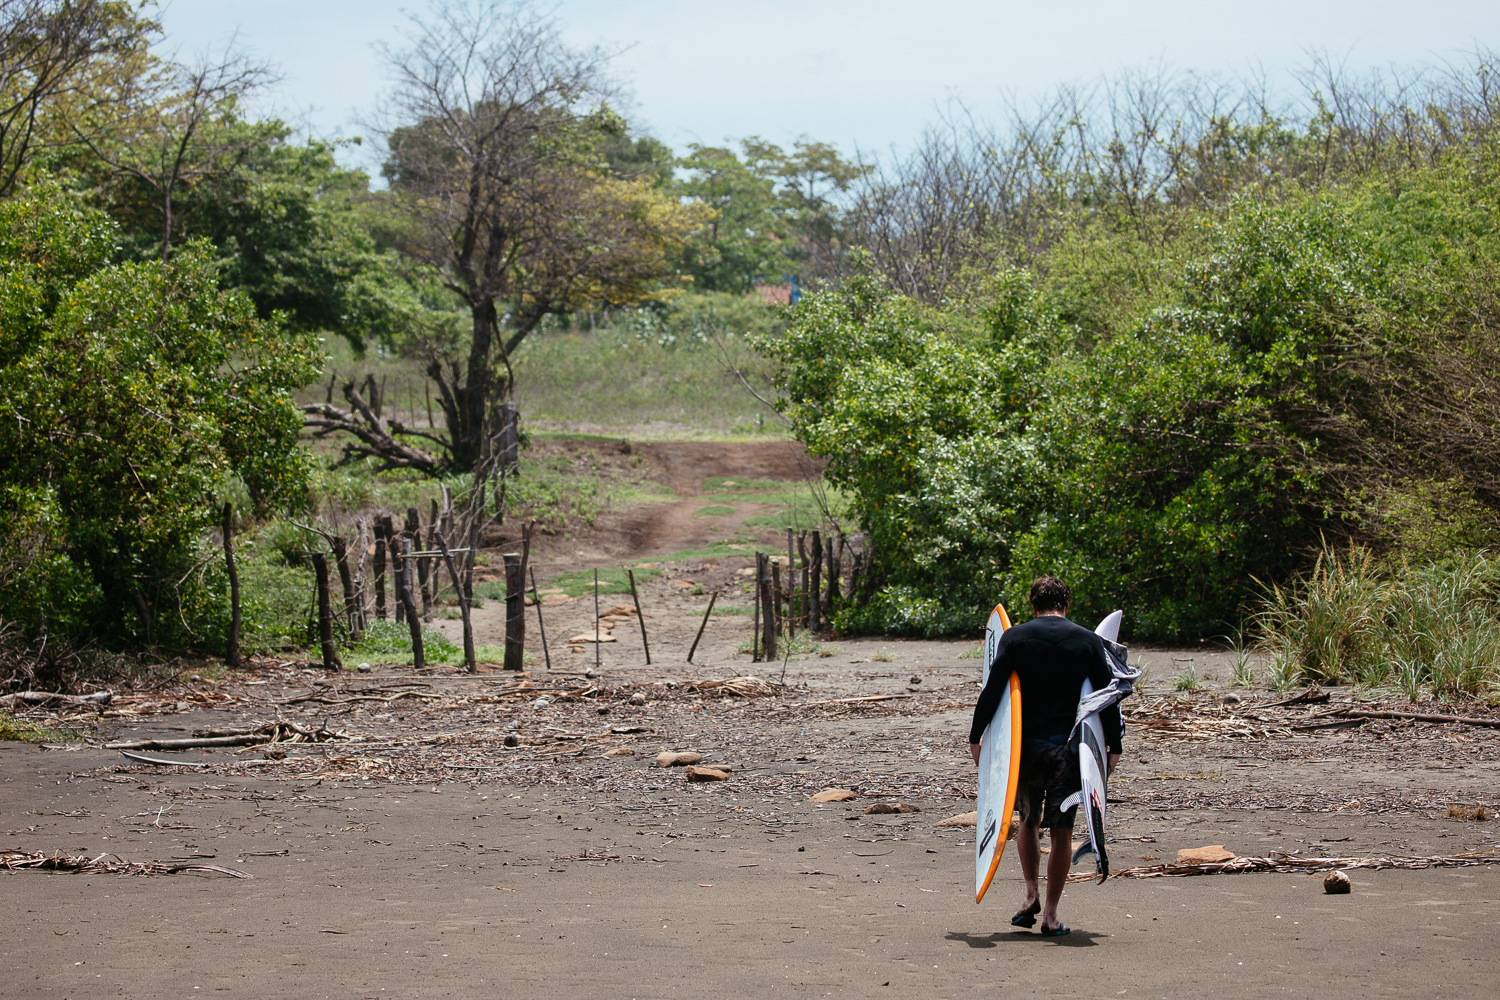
(463, 606)
(597, 643)
(232, 641)
(541, 625)
(791, 582)
(698, 638)
(776, 593)
(638, 616)
(325, 613)
(755, 626)
(515, 613)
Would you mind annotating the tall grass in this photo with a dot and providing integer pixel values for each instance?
(1351, 619)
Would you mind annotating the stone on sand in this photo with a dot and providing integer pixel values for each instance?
(679, 759)
(962, 819)
(707, 773)
(833, 795)
(1211, 854)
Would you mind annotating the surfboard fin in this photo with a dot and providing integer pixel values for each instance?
(1070, 802)
(1087, 848)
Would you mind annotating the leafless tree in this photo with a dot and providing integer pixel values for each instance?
(45, 46)
(179, 127)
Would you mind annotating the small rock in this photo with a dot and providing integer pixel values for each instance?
(915, 681)
(706, 774)
(182, 706)
(603, 709)
(1211, 854)
(196, 677)
(541, 702)
(589, 673)
(638, 699)
(364, 668)
(681, 759)
(619, 752)
(892, 807)
(962, 819)
(833, 795)
(1336, 883)
(512, 740)
(1232, 699)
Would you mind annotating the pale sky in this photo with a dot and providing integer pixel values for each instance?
(867, 74)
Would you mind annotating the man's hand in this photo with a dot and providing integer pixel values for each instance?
(1113, 759)
(974, 749)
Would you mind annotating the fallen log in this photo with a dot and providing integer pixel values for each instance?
(1465, 720)
(192, 742)
(119, 866)
(96, 700)
(1281, 861)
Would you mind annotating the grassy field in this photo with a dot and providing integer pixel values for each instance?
(616, 380)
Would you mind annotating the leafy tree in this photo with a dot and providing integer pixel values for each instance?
(773, 213)
(130, 394)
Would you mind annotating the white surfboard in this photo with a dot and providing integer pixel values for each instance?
(1093, 768)
(999, 766)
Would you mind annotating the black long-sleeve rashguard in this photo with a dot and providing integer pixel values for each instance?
(1052, 656)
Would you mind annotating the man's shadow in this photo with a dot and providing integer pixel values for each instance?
(1074, 939)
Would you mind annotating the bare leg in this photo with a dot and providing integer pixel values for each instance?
(1059, 863)
(1029, 846)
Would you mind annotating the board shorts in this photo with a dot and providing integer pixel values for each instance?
(1049, 774)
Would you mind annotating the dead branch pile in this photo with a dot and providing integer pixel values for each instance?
(1181, 719)
(1280, 861)
(111, 864)
(743, 687)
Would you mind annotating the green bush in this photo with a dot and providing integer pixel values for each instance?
(1352, 620)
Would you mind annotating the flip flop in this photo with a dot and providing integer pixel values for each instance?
(1057, 931)
(1027, 917)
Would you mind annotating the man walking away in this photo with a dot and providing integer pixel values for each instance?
(1051, 656)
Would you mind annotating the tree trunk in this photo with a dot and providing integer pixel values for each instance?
(768, 623)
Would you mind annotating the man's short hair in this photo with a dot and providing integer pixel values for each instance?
(1049, 593)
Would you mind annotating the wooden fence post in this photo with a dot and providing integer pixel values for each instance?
(755, 625)
(403, 594)
(776, 593)
(232, 641)
(515, 612)
(382, 532)
(325, 613)
(815, 586)
(346, 581)
(768, 602)
(791, 584)
(831, 605)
